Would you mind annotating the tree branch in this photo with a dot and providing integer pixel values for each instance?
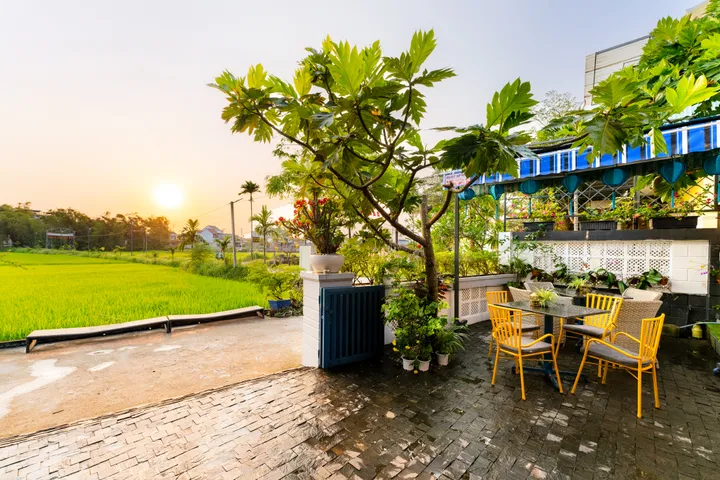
(448, 197)
(365, 127)
(292, 139)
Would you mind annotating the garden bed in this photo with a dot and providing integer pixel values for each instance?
(598, 225)
(673, 222)
(714, 337)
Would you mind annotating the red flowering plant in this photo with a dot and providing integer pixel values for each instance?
(319, 221)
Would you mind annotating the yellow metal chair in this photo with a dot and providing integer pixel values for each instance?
(501, 296)
(507, 332)
(594, 326)
(641, 360)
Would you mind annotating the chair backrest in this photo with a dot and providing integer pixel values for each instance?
(507, 325)
(532, 286)
(519, 295)
(606, 321)
(650, 337)
(497, 296)
(645, 295)
(630, 317)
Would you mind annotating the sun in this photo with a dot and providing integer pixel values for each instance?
(168, 195)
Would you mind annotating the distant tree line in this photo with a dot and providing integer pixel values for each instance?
(26, 227)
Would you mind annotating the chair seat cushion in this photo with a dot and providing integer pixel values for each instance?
(603, 352)
(581, 329)
(539, 347)
(530, 327)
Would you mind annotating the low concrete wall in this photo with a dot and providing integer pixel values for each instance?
(473, 303)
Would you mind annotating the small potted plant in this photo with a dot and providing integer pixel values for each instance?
(320, 221)
(424, 355)
(663, 216)
(545, 213)
(278, 285)
(714, 272)
(580, 285)
(545, 296)
(449, 340)
(402, 345)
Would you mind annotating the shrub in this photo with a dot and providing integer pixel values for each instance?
(478, 262)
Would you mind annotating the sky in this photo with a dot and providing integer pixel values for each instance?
(102, 102)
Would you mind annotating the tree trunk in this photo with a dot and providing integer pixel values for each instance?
(431, 274)
(264, 249)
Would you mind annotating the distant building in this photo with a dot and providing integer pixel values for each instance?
(211, 233)
(600, 65)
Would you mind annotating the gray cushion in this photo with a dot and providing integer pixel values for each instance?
(588, 330)
(539, 347)
(530, 327)
(603, 352)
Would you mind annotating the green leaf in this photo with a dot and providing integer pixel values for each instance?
(614, 92)
(605, 134)
(514, 98)
(279, 86)
(303, 81)
(689, 92)
(322, 119)
(658, 140)
(347, 68)
(711, 45)
(256, 76)
(434, 76)
(421, 46)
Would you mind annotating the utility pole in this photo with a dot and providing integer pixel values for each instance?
(232, 222)
(456, 275)
(146, 233)
(131, 237)
(89, 240)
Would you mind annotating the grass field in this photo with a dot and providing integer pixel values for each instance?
(56, 291)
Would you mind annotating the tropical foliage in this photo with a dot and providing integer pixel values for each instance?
(353, 118)
(265, 225)
(190, 234)
(318, 220)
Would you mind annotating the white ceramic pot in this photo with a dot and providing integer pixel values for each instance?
(408, 363)
(330, 263)
(423, 365)
(443, 359)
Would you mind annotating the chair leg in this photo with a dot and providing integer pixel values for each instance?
(560, 336)
(517, 366)
(557, 372)
(655, 388)
(497, 357)
(577, 378)
(522, 377)
(639, 394)
(604, 377)
(490, 347)
(600, 369)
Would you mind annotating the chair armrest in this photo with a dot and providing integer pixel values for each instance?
(625, 335)
(540, 339)
(610, 345)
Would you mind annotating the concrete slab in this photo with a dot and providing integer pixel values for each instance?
(71, 381)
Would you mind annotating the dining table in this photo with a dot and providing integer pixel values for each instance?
(549, 312)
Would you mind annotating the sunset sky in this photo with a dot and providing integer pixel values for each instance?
(102, 102)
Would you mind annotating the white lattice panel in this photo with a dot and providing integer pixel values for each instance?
(624, 259)
(473, 301)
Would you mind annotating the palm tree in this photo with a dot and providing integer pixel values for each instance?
(248, 188)
(264, 226)
(223, 244)
(190, 234)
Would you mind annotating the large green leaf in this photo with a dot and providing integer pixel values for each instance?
(347, 68)
(421, 46)
(303, 80)
(434, 76)
(614, 92)
(514, 98)
(689, 92)
(256, 76)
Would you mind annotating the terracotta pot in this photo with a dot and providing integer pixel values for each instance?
(408, 364)
(329, 263)
(443, 359)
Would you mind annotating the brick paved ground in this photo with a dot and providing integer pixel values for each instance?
(373, 421)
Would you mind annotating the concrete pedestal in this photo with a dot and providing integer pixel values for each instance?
(312, 284)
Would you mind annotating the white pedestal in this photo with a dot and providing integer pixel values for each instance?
(312, 283)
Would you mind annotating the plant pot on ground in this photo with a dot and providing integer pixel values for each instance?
(423, 365)
(449, 340)
(326, 263)
(408, 364)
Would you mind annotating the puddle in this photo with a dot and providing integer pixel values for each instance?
(101, 366)
(101, 352)
(167, 348)
(45, 373)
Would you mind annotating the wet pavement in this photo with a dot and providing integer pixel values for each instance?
(374, 421)
(65, 382)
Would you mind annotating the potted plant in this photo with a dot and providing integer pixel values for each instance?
(598, 220)
(408, 350)
(449, 340)
(648, 279)
(544, 296)
(714, 272)
(580, 285)
(663, 216)
(545, 213)
(278, 284)
(320, 221)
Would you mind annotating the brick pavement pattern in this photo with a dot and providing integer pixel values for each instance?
(374, 421)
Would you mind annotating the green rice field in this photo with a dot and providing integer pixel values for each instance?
(57, 291)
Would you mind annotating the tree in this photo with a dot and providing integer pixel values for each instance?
(676, 76)
(264, 226)
(223, 244)
(190, 234)
(353, 117)
(248, 188)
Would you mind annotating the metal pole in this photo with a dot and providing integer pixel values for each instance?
(505, 213)
(89, 240)
(456, 279)
(232, 222)
(146, 233)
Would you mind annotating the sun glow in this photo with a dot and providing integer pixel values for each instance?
(168, 195)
